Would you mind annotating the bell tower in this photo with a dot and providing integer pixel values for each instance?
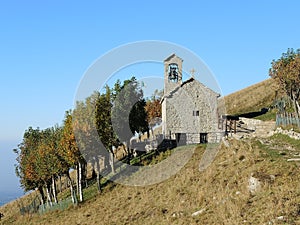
(173, 73)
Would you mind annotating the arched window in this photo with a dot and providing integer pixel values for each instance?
(173, 72)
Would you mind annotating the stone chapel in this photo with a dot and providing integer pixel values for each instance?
(189, 108)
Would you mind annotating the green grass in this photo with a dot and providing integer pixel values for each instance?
(267, 152)
(284, 139)
(269, 116)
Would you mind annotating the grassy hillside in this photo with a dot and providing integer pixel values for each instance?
(252, 98)
(220, 192)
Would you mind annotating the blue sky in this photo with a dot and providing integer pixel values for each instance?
(46, 46)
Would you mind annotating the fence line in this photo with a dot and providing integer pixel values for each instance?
(35, 206)
(61, 205)
(286, 119)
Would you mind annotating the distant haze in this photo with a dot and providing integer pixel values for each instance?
(10, 185)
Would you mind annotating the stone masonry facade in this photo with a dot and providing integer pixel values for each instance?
(189, 108)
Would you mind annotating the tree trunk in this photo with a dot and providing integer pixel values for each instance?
(42, 198)
(60, 184)
(54, 189)
(99, 183)
(71, 189)
(97, 170)
(129, 153)
(106, 162)
(80, 181)
(298, 108)
(85, 175)
(112, 162)
(295, 103)
(77, 178)
(49, 200)
(152, 132)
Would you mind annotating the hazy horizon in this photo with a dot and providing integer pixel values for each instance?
(46, 48)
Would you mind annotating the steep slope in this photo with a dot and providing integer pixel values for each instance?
(252, 98)
(220, 194)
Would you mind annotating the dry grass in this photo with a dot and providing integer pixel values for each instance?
(11, 210)
(252, 98)
(221, 191)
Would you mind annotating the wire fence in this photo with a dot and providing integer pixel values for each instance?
(286, 119)
(35, 206)
(61, 205)
(32, 207)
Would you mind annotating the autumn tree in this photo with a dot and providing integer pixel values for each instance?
(49, 161)
(153, 109)
(286, 72)
(88, 133)
(40, 161)
(70, 151)
(26, 167)
(86, 122)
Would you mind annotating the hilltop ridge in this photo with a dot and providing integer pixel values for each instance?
(252, 98)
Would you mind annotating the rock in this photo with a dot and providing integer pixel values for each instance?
(225, 142)
(293, 160)
(280, 218)
(272, 177)
(199, 212)
(271, 133)
(253, 185)
(177, 214)
(290, 133)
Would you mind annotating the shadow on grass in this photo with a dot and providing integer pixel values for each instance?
(109, 179)
(254, 114)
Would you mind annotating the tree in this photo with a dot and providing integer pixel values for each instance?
(286, 72)
(86, 123)
(70, 150)
(44, 155)
(138, 117)
(128, 111)
(40, 161)
(49, 163)
(153, 109)
(104, 126)
(26, 167)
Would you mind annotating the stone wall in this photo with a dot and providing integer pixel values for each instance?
(291, 133)
(191, 108)
(255, 128)
(215, 137)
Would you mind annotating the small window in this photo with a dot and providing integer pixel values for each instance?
(196, 113)
(203, 138)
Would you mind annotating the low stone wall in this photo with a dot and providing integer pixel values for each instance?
(251, 124)
(192, 139)
(215, 137)
(212, 137)
(290, 133)
(260, 128)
